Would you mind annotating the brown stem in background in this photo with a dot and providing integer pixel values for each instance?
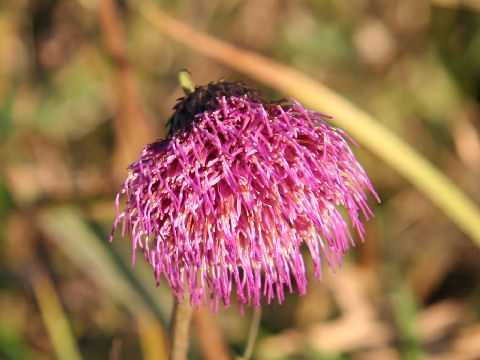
(132, 126)
(180, 330)
(211, 341)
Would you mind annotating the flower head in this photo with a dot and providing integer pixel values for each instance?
(226, 201)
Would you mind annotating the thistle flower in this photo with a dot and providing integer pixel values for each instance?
(233, 192)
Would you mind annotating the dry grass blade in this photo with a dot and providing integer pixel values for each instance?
(55, 319)
(360, 125)
(133, 128)
(153, 338)
(473, 4)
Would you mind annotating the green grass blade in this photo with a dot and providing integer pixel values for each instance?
(135, 289)
(365, 129)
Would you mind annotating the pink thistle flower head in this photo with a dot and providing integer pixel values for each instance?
(227, 200)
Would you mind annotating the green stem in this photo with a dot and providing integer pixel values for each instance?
(180, 330)
(252, 334)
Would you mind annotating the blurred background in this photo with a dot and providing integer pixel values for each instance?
(84, 84)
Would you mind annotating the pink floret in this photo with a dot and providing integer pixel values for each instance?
(226, 205)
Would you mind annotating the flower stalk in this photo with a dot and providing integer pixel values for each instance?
(182, 311)
(180, 330)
